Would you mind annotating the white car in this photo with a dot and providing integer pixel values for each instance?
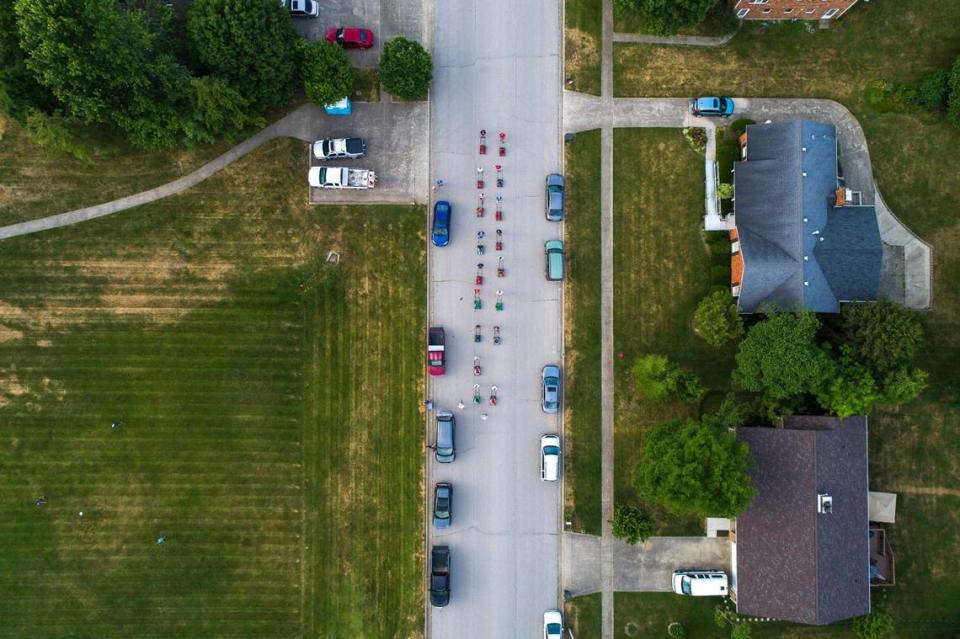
(336, 148)
(302, 8)
(549, 458)
(552, 624)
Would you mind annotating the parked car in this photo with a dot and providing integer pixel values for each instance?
(443, 505)
(350, 38)
(554, 249)
(441, 223)
(549, 458)
(700, 583)
(553, 624)
(715, 106)
(336, 148)
(343, 106)
(550, 377)
(555, 197)
(446, 425)
(440, 576)
(301, 8)
(339, 177)
(436, 350)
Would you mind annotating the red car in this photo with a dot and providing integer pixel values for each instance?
(350, 38)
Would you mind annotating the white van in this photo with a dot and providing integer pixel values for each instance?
(700, 583)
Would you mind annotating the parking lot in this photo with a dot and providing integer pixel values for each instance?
(396, 133)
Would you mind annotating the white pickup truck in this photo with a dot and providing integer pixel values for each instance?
(335, 177)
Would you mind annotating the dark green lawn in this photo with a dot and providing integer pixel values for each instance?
(242, 371)
(662, 269)
(583, 616)
(582, 353)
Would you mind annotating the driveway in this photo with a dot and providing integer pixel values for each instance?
(498, 67)
(396, 136)
(646, 567)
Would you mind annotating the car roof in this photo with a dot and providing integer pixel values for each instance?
(708, 102)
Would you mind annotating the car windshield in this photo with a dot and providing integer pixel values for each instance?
(555, 188)
(685, 585)
(440, 230)
(554, 628)
(363, 36)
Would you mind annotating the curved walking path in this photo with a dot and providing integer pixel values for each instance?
(296, 125)
(678, 40)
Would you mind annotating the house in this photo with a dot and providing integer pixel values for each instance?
(801, 238)
(801, 550)
(791, 9)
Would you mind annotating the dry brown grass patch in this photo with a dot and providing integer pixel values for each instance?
(583, 50)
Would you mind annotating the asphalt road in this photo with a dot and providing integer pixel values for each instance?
(497, 68)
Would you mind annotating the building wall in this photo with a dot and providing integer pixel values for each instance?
(791, 9)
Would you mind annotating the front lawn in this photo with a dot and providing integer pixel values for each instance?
(193, 372)
(582, 349)
(582, 38)
(662, 268)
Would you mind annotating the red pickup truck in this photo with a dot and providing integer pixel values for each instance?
(436, 363)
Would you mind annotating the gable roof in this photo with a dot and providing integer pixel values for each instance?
(794, 563)
(784, 217)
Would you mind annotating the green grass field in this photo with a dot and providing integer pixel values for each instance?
(582, 34)
(662, 269)
(270, 425)
(582, 353)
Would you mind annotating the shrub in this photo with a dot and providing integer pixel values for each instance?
(953, 100)
(405, 69)
(696, 138)
(54, 132)
(327, 74)
(739, 127)
(717, 319)
(657, 378)
(725, 190)
(876, 625)
(631, 524)
(934, 89)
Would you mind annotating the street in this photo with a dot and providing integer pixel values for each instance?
(498, 68)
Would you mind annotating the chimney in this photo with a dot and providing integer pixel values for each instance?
(824, 503)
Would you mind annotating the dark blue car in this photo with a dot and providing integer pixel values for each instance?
(441, 223)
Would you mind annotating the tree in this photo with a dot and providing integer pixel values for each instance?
(106, 65)
(717, 319)
(780, 358)
(249, 43)
(631, 524)
(217, 111)
(20, 93)
(327, 74)
(876, 625)
(405, 69)
(885, 335)
(695, 467)
(852, 392)
(657, 378)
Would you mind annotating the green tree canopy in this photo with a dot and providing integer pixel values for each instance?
(631, 524)
(717, 319)
(877, 625)
(327, 74)
(217, 111)
(106, 65)
(780, 358)
(249, 43)
(853, 390)
(695, 467)
(884, 335)
(405, 69)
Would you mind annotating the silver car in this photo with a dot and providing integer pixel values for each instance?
(551, 388)
(446, 425)
(555, 197)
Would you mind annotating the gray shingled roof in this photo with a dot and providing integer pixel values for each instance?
(784, 214)
(794, 563)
